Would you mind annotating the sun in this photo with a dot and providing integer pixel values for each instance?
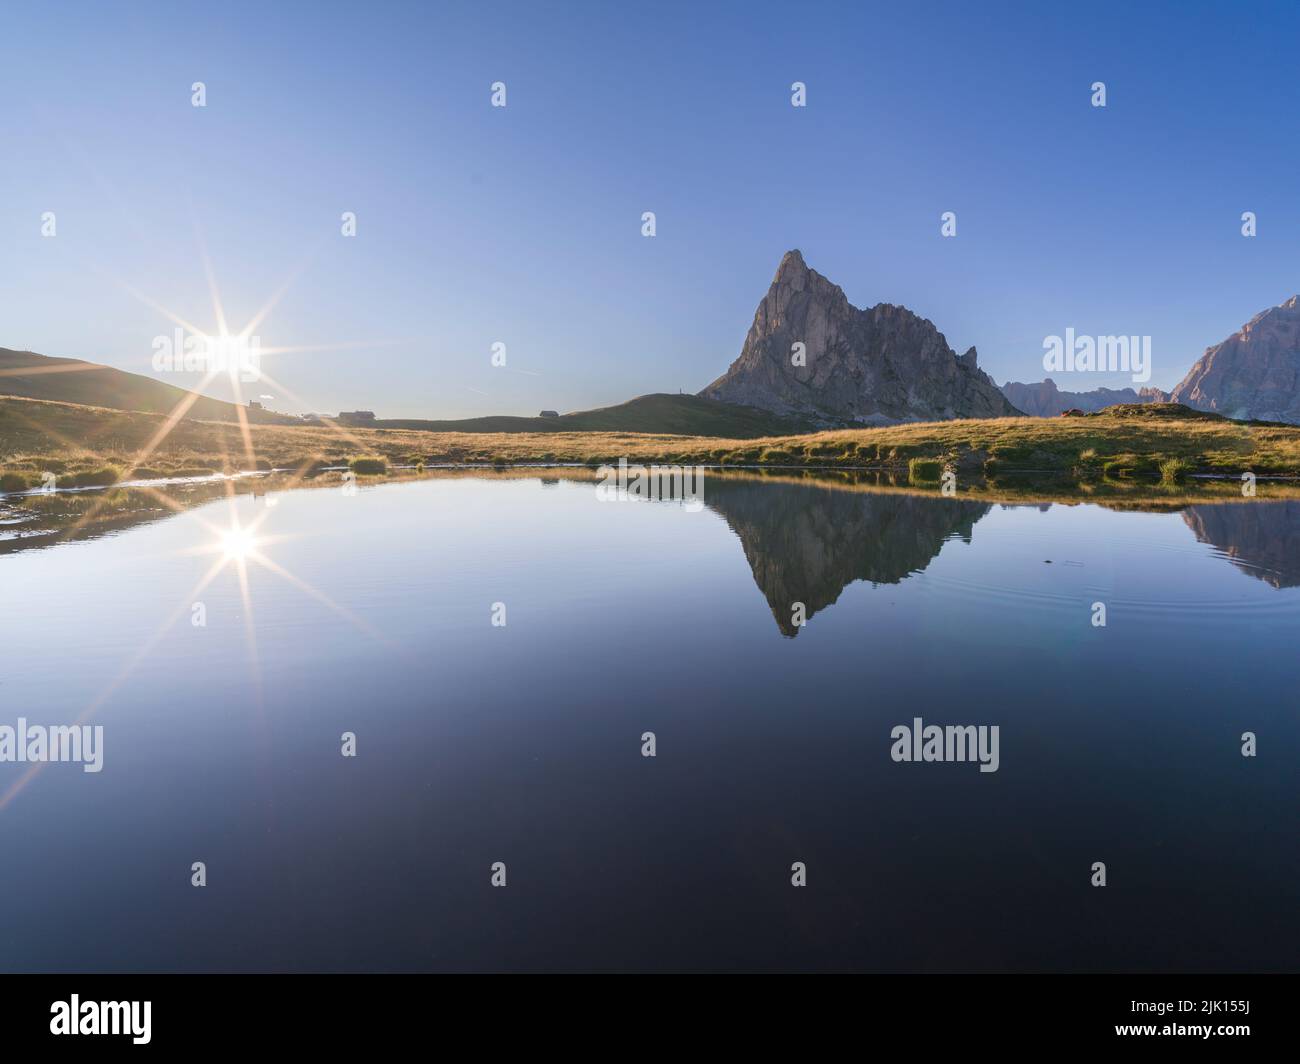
(238, 543)
(239, 355)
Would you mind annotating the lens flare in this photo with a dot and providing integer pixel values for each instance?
(238, 543)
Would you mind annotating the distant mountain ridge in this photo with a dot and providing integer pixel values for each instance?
(1253, 375)
(1046, 400)
(863, 367)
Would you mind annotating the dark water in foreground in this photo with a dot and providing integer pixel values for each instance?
(522, 744)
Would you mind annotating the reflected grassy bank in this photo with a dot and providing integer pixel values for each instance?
(42, 519)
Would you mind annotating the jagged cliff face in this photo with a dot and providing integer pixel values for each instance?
(1253, 374)
(1046, 400)
(861, 366)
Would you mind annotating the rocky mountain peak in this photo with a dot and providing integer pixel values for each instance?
(1281, 315)
(794, 280)
(812, 354)
(1254, 373)
(792, 264)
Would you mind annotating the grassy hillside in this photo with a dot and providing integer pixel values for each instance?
(69, 380)
(1119, 443)
(681, 415)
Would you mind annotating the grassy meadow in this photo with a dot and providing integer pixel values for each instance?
(86, 445)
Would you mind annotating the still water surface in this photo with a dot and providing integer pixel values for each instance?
(522, 744)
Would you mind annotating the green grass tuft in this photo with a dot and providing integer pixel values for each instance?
(92, 478)
(924, 470)
(1175, 470)
(369, 466)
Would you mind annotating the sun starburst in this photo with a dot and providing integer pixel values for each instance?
(235, 545)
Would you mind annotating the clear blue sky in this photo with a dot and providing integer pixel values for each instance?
(522, 225)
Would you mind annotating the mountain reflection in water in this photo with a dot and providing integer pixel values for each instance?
(370, 612)
(805, 542)
(1262, 539)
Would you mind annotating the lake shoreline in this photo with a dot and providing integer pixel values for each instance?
(79, 446)
(101, 506)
